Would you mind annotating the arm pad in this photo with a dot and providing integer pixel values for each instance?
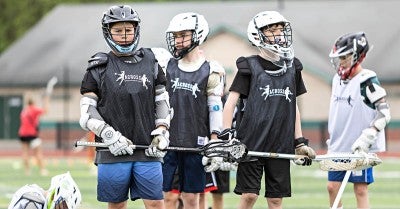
(382, 117)
(215, 113)
(164, 112)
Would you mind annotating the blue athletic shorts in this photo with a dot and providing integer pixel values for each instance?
(363, 176)
(142, 179)
(192, 177)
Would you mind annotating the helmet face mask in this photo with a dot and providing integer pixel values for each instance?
(348, 52)
(272, 34)
(118, 23)
(185, 32)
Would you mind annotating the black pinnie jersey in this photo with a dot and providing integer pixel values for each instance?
(126, 101)
(268, 121)
(187, 90)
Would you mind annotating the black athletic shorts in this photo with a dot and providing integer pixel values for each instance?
(222, 178)
(277, 177)
(27, 139)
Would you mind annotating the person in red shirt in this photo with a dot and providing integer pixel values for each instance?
(29, 133)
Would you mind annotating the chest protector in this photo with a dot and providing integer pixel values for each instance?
(268, 121)
(126, 100)
(187, 90)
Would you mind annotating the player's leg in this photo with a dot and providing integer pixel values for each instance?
(361, 180)
(277, 181)
(248, 183)
(193, 179)
(113, 188)
(218, 201)
(148, 184)
(25, 153)
(38, 153)
(171, 186)
(334, 182)
(222, 178)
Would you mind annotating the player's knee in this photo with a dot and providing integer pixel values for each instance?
(249, 197)
(332, 187)
(274, 202)
(361, 190)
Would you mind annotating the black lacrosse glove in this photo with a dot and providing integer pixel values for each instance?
(301, 148)
(226, 134)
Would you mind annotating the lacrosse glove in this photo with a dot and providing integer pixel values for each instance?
(117, 144)
(365, 140)
(213, 163)
(302, 148)
(226, 134)
(159, 143)
(228, 166)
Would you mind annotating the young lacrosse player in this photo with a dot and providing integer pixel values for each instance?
(29, 129)
(358, 113)
(270, 83)
(195, 87)
(62, 194)
(124, 100)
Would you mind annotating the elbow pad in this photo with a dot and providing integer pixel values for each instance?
(164, 112)
(86, 103)
(215, 113)
(382, 117)
(90, 119)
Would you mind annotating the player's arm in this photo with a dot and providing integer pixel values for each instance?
(163, 113)
(215, 91)
(374, 96)
(90, 118)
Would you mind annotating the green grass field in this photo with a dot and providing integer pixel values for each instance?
(308, 185)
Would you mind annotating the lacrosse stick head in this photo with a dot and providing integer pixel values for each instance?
(232, 150)
(343, 163)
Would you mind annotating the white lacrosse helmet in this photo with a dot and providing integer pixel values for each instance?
(281, 47)
(28, 197)
(187, 21)
(63, 189)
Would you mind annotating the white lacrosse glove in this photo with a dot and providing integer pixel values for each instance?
(365, 140)
(302, 148)
(213, 163)
(228, 166)
(117, 144)
(159, 143)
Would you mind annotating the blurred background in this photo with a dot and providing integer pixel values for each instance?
(44, 38)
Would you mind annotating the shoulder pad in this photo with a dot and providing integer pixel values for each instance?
(297, 64)
(366, 74)
(215, 67)
(243, 65)
(97, 60)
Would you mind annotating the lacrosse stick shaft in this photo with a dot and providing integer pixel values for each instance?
(100, 144)
(341, 190)
(294, 157)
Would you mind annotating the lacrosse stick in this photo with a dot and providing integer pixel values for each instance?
(341, 190)
(330, 162)
(50, 85)
(233, 151)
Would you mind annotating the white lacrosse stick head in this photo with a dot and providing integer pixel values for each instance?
(63, 189)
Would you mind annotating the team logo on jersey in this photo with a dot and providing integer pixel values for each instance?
(267, 91)
(121, 77)
(347, 100)
(194, 88)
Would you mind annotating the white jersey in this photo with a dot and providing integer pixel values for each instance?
(349, 115)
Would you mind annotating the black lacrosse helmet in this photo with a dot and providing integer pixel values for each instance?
(116, 14)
